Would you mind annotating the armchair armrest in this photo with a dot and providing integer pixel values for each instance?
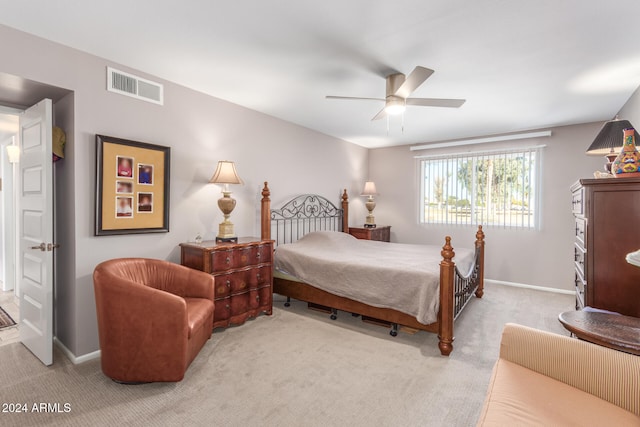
(200, 284)
(609, 374)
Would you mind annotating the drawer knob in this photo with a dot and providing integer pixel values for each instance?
(258, 255)
(228, 260)
(227, 306)
(228, 283)
(257, 297)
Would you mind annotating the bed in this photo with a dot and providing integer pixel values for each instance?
(309, 218)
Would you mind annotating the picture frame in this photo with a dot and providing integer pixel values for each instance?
(132, 187)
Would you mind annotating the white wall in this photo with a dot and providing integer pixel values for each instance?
(538, 258)
(200, 130)
(631, 110)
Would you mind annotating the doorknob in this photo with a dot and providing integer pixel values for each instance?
(46, 247)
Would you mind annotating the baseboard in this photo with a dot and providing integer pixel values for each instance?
(72, 357)
(537, 288)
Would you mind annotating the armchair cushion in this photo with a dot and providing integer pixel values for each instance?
(197, 312)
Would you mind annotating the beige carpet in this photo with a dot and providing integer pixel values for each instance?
(295, 368)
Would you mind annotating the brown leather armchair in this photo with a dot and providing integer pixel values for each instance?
(154, 317)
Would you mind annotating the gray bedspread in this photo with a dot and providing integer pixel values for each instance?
(390, 275)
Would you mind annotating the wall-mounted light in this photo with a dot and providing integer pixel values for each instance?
(13, 153)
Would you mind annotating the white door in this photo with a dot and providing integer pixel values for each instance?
(35, 232)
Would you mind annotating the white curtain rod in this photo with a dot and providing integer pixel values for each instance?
(513, 137)
(481, 153)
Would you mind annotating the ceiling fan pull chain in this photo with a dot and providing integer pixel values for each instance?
(387, 125)
(402, 128)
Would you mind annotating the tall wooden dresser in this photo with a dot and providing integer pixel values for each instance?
(606, 215)
(243, 273)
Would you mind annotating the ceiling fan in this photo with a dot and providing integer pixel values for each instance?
(398, 90)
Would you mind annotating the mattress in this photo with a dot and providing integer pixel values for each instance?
(402, 277)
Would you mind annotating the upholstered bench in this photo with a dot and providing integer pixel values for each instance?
(546, 379)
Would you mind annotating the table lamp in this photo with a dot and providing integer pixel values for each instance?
(609, 140)
(370, 191)
(226, 174)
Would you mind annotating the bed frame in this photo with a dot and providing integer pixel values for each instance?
(308, 213)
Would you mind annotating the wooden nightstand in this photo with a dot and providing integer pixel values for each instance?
(381, 233)
(243, 273)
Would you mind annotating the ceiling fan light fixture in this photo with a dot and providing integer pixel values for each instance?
(395, 106)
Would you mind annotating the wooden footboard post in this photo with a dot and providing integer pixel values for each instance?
(265, 214)
(480, 246)
(345, 212)
(445, 320)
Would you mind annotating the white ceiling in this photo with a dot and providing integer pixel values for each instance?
(520, 64)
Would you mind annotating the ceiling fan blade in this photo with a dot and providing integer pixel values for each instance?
(381, 115)
(435, 102)
(415, 79)
(353, 97)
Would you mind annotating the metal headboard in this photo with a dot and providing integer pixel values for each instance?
(304, 214)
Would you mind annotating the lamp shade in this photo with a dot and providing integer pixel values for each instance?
(225, 173)
(610, 138)
(369, 189)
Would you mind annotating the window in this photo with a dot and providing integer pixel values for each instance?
(495, 188)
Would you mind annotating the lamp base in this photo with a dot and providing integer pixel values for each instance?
(226, 239)
(370, 222)
(225, 230)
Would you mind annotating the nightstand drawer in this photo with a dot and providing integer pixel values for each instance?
(239, 257)
(381, 233)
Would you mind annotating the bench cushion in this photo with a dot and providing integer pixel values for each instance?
(519, 396)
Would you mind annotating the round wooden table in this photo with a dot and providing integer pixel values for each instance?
(609, 330)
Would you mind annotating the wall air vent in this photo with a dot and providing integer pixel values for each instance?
(134, 86)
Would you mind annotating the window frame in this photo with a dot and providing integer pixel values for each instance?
(457, 159)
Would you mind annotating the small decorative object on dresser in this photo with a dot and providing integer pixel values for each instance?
(243, 276)
(604, 211)
(627, 163)
(370, 191)
(226, 174)
(381, 233)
